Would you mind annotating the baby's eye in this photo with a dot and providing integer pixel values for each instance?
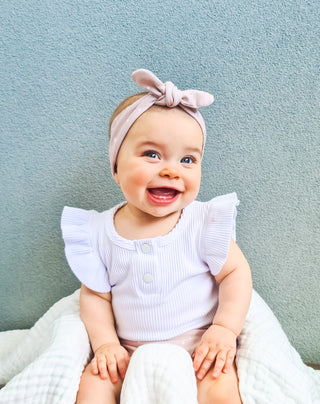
(188, 160)
(152, 154)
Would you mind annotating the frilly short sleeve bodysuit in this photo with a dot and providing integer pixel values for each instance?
(161, 287)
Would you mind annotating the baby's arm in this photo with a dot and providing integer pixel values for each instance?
(109, 356)
(218, 344)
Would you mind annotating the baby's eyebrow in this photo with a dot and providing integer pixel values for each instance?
(194, 150)
(149, 143)
(159, 144)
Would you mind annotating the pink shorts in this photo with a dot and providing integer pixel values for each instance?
(188, 340)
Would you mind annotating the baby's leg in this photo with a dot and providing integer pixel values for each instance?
(94, 390)
(224, 390)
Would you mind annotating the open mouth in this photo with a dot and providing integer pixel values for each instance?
(163, 196)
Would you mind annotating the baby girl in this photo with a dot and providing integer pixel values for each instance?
(161, 266)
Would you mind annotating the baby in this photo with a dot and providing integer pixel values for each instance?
(160, 267)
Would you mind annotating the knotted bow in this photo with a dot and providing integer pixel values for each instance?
(168, 94)
(159, 93)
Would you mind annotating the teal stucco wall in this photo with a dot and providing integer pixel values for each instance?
(65, 66)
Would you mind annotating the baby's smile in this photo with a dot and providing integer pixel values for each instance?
(163, 196)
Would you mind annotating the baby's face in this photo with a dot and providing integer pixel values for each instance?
(159, 162)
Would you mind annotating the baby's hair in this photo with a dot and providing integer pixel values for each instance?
(125, 104)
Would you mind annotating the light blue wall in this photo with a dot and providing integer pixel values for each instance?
(66, 64)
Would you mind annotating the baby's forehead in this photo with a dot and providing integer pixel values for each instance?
(153, 127)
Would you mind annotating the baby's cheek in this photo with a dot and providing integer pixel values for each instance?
(140, 177)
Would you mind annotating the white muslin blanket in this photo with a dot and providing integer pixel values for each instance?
(43, 365)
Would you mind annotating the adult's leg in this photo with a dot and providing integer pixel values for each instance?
(224, 390)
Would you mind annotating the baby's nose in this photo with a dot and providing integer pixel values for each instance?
(170, 172)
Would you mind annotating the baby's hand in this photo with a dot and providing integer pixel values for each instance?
(218, 346)
(109, 359)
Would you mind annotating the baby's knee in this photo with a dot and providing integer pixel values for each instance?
(222, 395)
(93, 389)
(219, 391)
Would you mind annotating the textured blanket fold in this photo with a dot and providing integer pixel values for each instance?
(43, 365)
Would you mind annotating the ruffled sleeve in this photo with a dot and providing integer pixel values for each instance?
(78, 231)
(219, 229)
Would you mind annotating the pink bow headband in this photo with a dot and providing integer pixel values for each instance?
(166, 94)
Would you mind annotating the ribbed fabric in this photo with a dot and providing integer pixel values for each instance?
(163, 286)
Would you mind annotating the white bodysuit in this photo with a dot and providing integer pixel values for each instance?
(161, 287)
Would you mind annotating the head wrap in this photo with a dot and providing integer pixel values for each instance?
(165, 94)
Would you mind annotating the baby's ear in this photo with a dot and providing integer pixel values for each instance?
(115, 175)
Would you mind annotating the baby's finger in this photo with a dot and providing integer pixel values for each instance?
(123, 365)
(199, 354)
(206, 364)
(229, 361)
(219, 364)
(102, 367)
(112, 369)
(94, 366)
